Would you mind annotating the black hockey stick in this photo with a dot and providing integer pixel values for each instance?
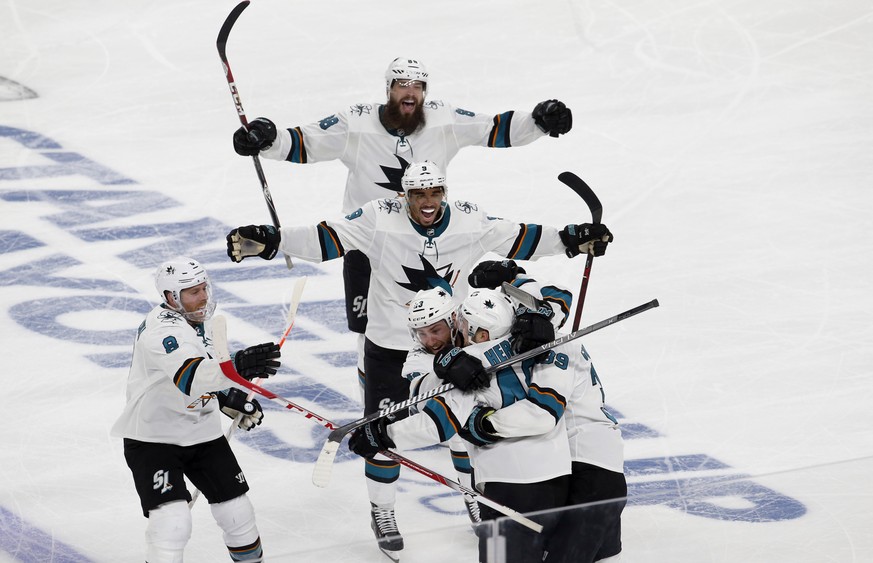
(221, 43)
(579, 186)
(324, 463)
(222, 354)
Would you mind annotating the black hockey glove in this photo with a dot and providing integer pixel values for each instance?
(532, 329)
(233, 403)
(371, 438)
(253, 240)
(478, 430)
(259, 136)
(492, 273)
(587, 237)
(461, 369)
(553, 117)
(258, 361)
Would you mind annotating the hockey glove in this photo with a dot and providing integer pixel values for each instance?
(259, 136)
(371, 438)
(532, 329)
(258, 361)
(461, 369)
(553, 117)
(585, 238)
(478, 430)
(253, 240)
(233, 403)
(492, 273)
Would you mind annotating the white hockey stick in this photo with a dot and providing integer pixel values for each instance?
(324, 463)
(219, 344)
(296, 295)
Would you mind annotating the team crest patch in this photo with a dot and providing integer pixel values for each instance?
(360, 109)
(389, 205)
(466, 206)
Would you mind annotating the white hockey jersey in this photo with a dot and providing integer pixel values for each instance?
(376, 158)
(595, 436)
(406, 257)
(538, 449)
(170, 383)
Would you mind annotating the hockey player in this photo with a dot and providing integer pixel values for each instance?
(529, 472)
(377, 141)
(413, 243)
(171, 426)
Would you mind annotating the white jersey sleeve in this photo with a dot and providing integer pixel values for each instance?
(171, 383)
(376, 157)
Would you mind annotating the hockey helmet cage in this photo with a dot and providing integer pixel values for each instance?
(405, 69)
(182, 273)
(488, 309)
(424, 174)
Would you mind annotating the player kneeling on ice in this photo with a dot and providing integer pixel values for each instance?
(171, 426)
(413, 243)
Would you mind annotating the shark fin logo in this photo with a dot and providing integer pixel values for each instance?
(393, 175)
(427, 277)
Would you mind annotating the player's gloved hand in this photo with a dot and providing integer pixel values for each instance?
(233, 402)
(371, 438)
(461, 369)
(492, 273)
(259, 136)
(586, 237)
(258, 361)
(553, 117)
(253, 240)
(478, 430)
(532, 329)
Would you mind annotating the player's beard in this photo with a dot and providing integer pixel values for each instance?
(409, 124)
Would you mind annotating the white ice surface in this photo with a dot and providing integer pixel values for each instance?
(730, 142)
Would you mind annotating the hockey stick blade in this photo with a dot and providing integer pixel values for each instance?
(520, 295)
(221, 45)
(224, 32)
(322, 470)
(584, 191)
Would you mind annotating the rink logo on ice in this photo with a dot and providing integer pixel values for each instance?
(102, 210)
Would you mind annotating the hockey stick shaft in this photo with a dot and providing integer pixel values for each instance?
(221, 44)
(296, 295)
(219, 339)
(584, 191)
(321, 473)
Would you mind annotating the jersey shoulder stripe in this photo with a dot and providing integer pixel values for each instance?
(184, 377)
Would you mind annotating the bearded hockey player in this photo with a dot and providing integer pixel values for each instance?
(413, 243)
(377, 141)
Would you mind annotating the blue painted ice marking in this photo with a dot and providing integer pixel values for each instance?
(16, 241)
(41, 316)
(731, 498)
(28, 139)
(26, 543)
(42, 273)
(87, 207)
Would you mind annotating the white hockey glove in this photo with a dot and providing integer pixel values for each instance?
(233, 403)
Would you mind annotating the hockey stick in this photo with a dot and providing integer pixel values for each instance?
(219, 344)
(221, 43)
(296, 295)
(324, 463)
(586, 193)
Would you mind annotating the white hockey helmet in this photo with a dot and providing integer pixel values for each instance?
(181, 273)
(405, 69)
(489, 309)
(428, 307)
(424, 174)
